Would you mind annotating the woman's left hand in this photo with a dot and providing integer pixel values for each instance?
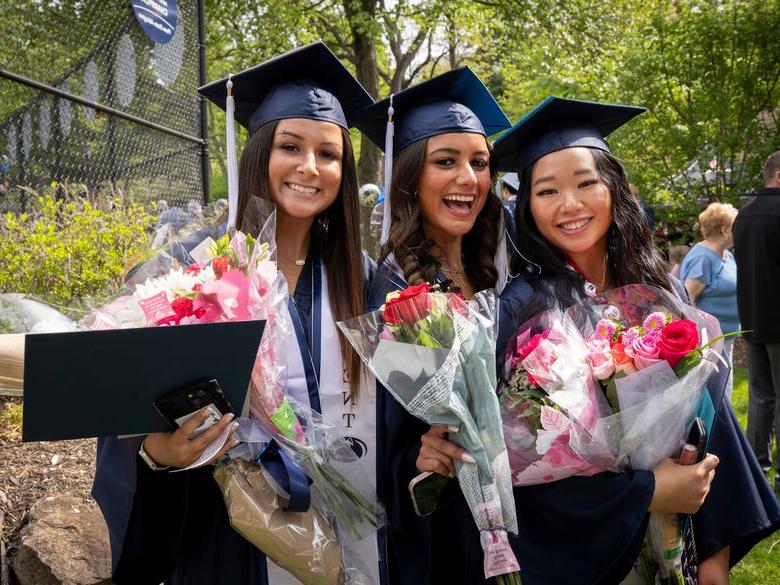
(714, 570)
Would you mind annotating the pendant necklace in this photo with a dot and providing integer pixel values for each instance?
(297, 262)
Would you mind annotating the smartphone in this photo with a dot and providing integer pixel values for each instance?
(179, 405)
(697, 436)
(430, 490)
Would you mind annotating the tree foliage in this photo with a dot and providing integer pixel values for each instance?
(708, 70)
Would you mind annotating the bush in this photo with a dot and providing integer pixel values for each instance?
(66, 252)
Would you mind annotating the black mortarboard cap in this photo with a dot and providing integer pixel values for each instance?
(307, 82)
(559, 123)
(455, 101)
(103, 383)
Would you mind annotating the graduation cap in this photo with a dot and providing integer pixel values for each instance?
(308, 82)
(512, 180)
(559, 123)
(455, 101)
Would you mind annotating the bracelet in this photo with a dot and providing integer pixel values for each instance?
(153, 465)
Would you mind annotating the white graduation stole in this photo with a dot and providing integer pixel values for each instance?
(356, 420)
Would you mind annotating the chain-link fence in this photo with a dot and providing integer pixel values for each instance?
(144, 136)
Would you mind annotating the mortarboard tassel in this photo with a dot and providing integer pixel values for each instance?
(388, 172)
(232, 161)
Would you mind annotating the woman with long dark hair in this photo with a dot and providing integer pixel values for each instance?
(174, 527)
(581, 231)
(444, 226)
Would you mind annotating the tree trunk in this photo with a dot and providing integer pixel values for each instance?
(358, 12)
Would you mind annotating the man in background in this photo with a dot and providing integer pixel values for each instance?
(757, 246)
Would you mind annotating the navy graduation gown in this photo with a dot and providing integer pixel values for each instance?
(174, 527)
(441, 548)
(589, 530)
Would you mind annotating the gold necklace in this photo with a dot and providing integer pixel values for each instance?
(297, 262)
(604, 272)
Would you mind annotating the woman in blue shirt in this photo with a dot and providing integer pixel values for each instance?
(710, 272)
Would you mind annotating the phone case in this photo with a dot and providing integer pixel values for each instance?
(430, 490)
(178, 406)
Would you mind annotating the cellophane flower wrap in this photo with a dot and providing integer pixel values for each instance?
(547, 395)
(611, 384)
(209, 277)
(653, 355)
(435, 353)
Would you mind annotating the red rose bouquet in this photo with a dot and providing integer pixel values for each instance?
(436, 354)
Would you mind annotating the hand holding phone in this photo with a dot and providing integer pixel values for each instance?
(199, 413)
(180, 405)
(176, 449)
(695, 448)
(431, 490)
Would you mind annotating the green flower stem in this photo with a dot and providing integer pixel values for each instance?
(348, 505)
(509, 579)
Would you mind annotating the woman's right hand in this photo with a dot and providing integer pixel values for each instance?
(175, 449)
(437, 453)
(682, 489)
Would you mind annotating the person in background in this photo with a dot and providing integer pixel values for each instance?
(757, 248)
(510, 183)
(676, 256)
(709, 272)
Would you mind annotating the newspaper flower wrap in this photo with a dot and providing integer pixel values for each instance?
(436, 354)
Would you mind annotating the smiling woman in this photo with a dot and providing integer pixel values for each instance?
(174, 528)
(581, 231)
(446, 228)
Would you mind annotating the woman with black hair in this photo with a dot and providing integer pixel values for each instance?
(581, 231)
(174, 528)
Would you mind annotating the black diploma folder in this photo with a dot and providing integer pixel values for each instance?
(104, 383)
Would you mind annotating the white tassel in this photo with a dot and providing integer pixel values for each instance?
(388, 172)
(232, 160)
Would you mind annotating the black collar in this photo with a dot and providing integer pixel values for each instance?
(766, 191)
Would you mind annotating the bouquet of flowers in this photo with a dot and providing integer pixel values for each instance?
(233, 276)
(541, 408)
(653, 355)
(611, 384)
(436, 353)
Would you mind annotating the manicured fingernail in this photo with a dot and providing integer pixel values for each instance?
(467, 458)
(451, 474)
(452, 428)
(233, 427)
(235, 443)
(230, 416)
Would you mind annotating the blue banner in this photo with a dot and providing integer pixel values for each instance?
(158, 18)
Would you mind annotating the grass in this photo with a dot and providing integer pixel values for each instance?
(762, 565)
(10, 418)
